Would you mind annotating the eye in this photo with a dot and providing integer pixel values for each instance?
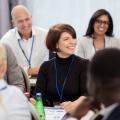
(98, 21)
(20, 21)
(66, 39)
(27, 19)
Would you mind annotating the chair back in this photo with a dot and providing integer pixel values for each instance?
(26, 80)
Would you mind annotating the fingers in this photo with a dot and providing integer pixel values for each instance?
(33, 101)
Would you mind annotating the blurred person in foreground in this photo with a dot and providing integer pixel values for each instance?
(13, 104)
(103, 85)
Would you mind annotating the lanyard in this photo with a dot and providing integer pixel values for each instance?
(28, 59)
(60, 91)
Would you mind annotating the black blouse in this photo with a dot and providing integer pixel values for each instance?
(62, 79)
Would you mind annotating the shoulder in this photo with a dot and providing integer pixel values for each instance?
(10, 33)
(15, 92)
(14, 89)
(81, 61)
(38, 30)
(9, 36)
(112, 42)
(112, 38)
(84, 41)
(47, 64)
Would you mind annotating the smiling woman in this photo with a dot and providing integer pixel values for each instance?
(99, 35)
(63, 78)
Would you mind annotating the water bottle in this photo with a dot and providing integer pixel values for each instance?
(39, 106)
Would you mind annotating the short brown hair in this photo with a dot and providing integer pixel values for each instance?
(54, 34)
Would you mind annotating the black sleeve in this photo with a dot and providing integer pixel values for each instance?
(41, 81)
(83, 77)
(41, 84)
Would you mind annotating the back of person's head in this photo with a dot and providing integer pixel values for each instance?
(3, 60)
(104, 76)
(54, 35)
(98, 13)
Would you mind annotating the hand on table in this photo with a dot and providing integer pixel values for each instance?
(79, 107)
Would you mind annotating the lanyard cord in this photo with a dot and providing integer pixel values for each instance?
(28, 59)
(60, 92)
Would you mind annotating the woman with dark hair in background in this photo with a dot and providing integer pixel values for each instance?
(62, 78)
(99, 35)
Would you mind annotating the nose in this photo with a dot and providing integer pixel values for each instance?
(73, 41)
(24, 23)
(102, 24)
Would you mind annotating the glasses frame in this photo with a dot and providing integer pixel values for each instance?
(98, 21)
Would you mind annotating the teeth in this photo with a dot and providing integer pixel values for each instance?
(101, 29)
(71, 47)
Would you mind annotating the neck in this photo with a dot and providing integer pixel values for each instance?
(99, 42)
(99, 37)
(25, 36)
(63, 55)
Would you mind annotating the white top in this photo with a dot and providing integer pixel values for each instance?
(13, 104)
(85, 47)
(39, 52)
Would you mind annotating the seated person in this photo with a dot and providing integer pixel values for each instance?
(99, 35)
(62, 78)
(13, 104)
(103, 85)
(26, 41)
(13, 74)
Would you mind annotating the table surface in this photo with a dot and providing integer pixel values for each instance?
(54, 113)
(57, 113)
(33, 81)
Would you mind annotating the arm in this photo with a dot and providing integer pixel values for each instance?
(14, 74)
(79, 107)
(33, 71)
(83, 77)
(42, 83)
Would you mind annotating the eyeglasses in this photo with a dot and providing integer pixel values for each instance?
(98, 21)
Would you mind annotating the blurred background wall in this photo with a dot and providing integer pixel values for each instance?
(46, 13)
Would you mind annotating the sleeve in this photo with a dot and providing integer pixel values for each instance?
(83, 78)
(80, 49)
(14, 74)
(42, 83)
